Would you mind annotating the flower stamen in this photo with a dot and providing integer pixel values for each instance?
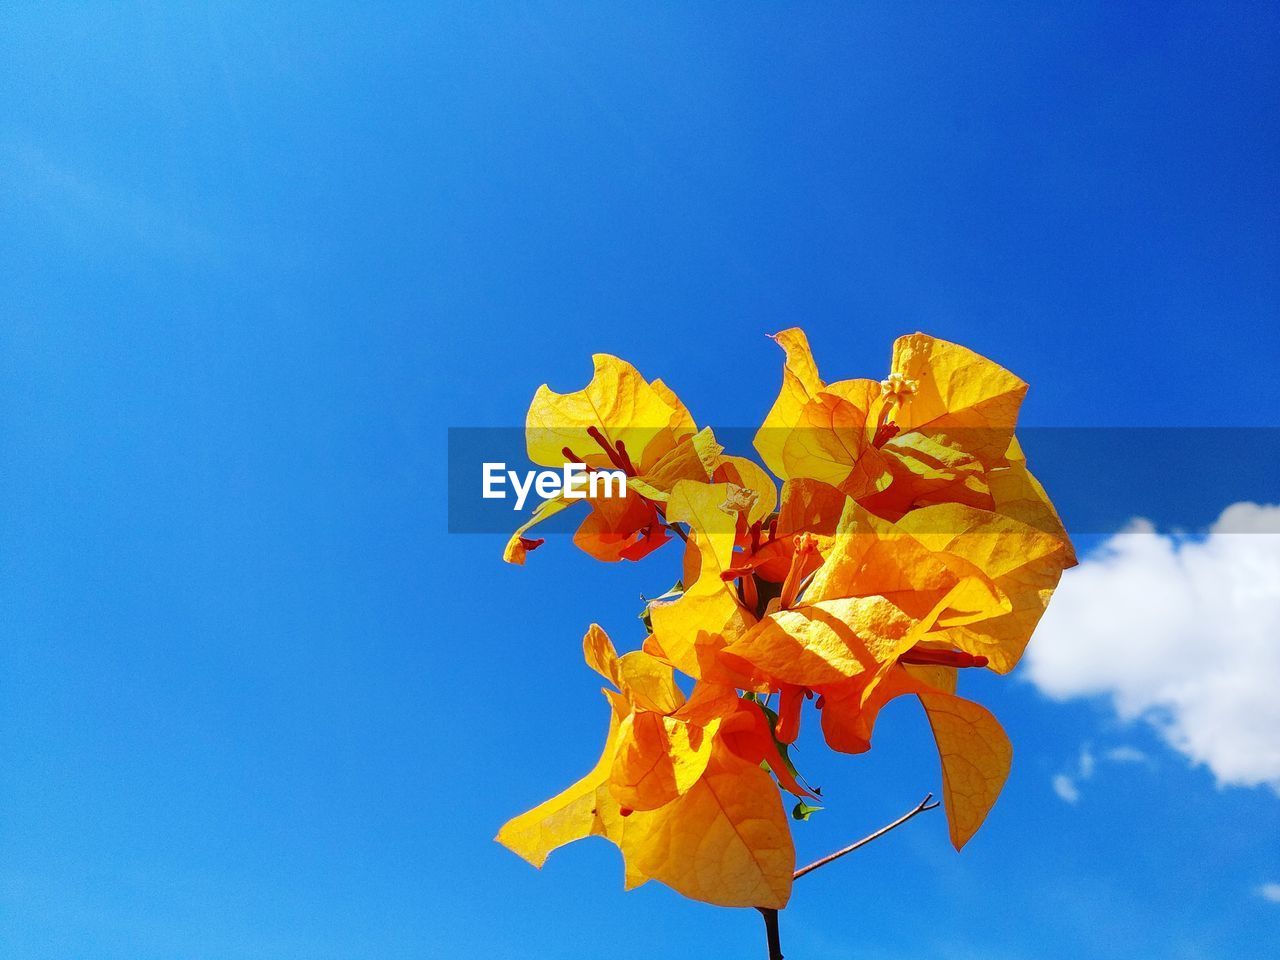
(942, 658)
(898, 386)
(617, 453)
(802, 564)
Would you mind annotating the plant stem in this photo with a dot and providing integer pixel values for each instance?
(771, 932)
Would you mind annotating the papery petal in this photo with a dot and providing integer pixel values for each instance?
(928, 469)
(1017, 493)
(726, 841)
(601, 655)
(747, 733)
(1023, 562)
(691, 459)
(850, 709)
(618, 402)
(649, 683)
(976, 757)
(516, 549)
(956, 391)
(681, 422)
(659, 758)
(810, 506)
(827, 439)
(691, 629)
(584, 809)
(800, 383)
(620, 528)
(824, 643)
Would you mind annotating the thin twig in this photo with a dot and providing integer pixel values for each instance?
(673, 527)
(771, 916)
(928, 803)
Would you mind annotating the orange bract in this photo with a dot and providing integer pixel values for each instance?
(908, 542)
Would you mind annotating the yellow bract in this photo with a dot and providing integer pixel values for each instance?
(646, 418)
(726, 841)
(691, 629)
(583, 810)
(800, 384)
(976, 756)
(908, 542)
(619, 421)
(822, 643)
(951, 389)
(668, 789)
(927, 433)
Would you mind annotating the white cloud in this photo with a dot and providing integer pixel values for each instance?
(1126, 754)
(1183, 633)
(1067, 784)
(1270, 891)
(1087, 762)
(1066, 788)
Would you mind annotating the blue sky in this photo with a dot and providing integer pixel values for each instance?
(256, 703)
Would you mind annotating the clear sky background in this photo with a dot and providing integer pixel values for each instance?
(256, 703)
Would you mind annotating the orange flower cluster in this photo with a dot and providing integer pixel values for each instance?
(909, 541)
